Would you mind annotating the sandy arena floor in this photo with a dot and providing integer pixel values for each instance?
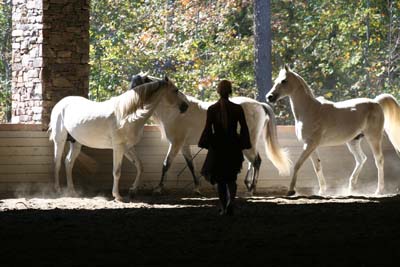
(186, 231)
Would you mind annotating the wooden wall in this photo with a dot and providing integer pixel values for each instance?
(26, 164)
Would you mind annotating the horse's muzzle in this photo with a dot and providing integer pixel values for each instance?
(272, 98)
(183, 107)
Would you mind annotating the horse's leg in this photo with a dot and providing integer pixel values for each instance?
(118, 155)
(308, 149)
(58, 152)
(171, 154)
(256, 171)
(187, 154)
(132, 156)
(253, 169)
(376, 147)
(250, 170)
(355, 148)
(74, 150)
(250, 155)
(316, 161)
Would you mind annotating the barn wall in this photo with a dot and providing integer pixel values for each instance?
(26, 164)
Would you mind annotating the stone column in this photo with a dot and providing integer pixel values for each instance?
(27, 61)
(50, 56)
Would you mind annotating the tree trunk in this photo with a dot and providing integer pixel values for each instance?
(170, 8)
(5, 58)
(366, 49)
(262, 47)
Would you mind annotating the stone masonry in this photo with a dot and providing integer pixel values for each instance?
(50, 42)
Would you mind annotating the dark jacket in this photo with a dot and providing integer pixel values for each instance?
(224, 159)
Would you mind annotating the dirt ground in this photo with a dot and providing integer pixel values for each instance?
(175, 230)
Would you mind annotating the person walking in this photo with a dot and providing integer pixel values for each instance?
(220, 136)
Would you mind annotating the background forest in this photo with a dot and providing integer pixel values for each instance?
(342, 48)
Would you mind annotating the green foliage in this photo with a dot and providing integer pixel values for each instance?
(195, 42)
(342, 48)
(5, 60)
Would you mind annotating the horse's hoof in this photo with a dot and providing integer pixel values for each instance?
(253, 189)
(72, 193)
(118, 199)
(57, 189)
(249, 193)
(132, 192)
(350, 191)
(291, 193)
(378, 192)
(250, 187)
(197, 192)
(159, 190)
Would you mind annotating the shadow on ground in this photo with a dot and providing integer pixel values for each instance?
(186, 231)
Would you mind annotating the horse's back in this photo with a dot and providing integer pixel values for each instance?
(342, 121)
(58, 113)
(85, 120)
(74, 100)
(353, 108)
(351, 103)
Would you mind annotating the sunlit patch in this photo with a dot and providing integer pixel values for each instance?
(68, 203)
(199, 198)
(308, 200)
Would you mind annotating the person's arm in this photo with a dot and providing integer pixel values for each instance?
(244, 131)
(206, 136)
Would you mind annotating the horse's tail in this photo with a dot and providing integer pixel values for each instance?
(278, 156)
(54, 120)
(391, 109)
(88, 165)
(50, 132)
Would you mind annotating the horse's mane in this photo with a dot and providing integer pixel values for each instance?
(129, 102)
(304, 84)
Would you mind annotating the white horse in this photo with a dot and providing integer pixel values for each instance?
(184, 130)
(116, 123)
(324, 123)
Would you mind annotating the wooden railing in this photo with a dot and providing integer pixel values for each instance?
(26, 163)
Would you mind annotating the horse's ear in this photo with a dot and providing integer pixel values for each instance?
(146, 79)
(287, 68)
(136, 80)
(166, 79)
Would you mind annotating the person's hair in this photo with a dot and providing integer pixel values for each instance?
(224, 88)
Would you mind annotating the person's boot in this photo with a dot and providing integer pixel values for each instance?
(223, 198)
(230, 207)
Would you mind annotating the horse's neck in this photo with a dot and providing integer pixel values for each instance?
(194, 116)
(141, 116)
(303, 103)
(152, 107)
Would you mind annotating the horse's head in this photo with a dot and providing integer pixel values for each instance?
(171, 95)
(283, 86)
